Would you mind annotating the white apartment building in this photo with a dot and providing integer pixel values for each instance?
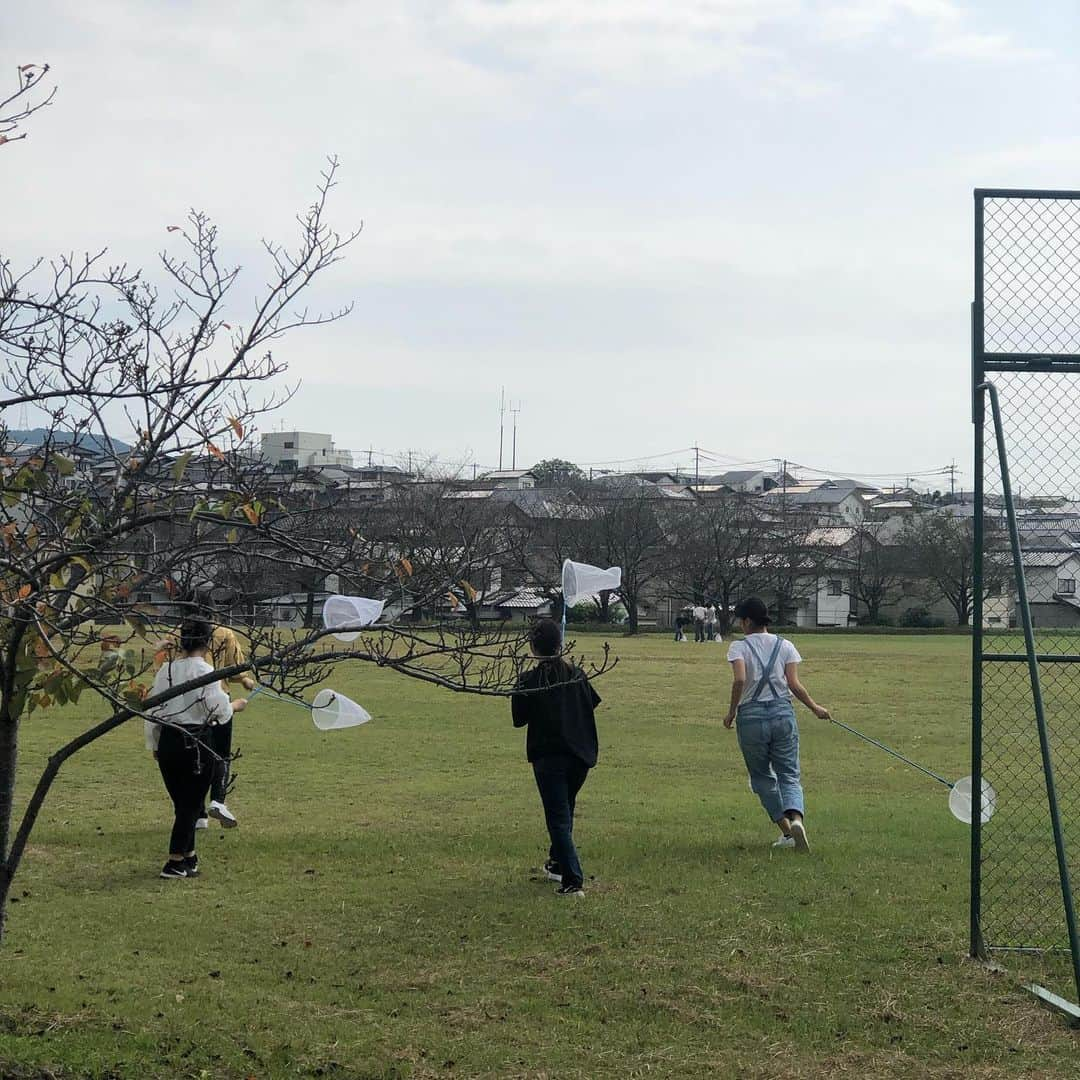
(290, 450)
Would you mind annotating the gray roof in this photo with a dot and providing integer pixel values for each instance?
(737, 476)
(823, 496)
(507, 474)
(1038, 559)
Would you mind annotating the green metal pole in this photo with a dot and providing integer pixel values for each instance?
(1036, 687)
(978, 418)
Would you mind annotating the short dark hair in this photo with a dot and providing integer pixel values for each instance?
(195, 634)
(753, 608)
(546, 638)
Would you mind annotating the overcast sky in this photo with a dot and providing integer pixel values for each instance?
(744, 224)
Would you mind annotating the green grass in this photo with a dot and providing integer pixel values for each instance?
(377, 913)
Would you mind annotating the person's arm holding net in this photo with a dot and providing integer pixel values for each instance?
(791, 674)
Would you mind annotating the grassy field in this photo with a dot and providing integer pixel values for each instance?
(379, 914)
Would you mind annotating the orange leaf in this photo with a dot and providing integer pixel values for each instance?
(406, 565)
(170, 587)
(251, 513)
(25, 591)
(215, 451)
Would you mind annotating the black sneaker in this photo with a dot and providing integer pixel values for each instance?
(173, 869)
(575, 891)
(552, 871)
(191, 865)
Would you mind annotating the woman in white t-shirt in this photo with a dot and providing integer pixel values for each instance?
(176, 732)
(766, 677)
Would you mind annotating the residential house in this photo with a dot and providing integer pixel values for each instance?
(513, 479)
(829, 503)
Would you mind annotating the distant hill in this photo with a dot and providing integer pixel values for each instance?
(96, 443)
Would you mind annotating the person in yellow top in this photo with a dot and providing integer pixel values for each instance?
(225, 651)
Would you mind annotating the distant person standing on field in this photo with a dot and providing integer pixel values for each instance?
(699, 622)
(765, 669)
(710, 622)
(560, 743)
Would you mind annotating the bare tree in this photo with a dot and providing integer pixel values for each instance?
(624, 528)
(458, 549)
(87, 540)
(877, 569)
(715, 552)
(941, 549)
(21, 104)
(789, 559)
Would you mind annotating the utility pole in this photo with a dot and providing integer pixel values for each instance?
(513, 452)
(951, 470)
(502, 417)
(697, 466)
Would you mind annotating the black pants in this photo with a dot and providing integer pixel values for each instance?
(699, 630)
(219, 739)
(559, 779)
(185, 768)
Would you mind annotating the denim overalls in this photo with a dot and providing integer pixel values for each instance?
(769, 740)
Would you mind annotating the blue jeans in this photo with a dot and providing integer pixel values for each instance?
(769, 741)
(559, 778)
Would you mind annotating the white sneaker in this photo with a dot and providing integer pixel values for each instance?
(202, 823)
(784, 842)
(798, 832)
(220, 812)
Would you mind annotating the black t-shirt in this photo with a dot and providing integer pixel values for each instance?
(559, 716)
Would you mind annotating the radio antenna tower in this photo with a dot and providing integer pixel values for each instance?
(513, 453)
(502, 417)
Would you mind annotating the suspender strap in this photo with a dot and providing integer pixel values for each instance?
(766, 668)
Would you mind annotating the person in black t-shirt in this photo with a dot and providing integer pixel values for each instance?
(560, 744)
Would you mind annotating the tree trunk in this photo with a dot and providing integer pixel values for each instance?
(630, 599)
(9, 729)
(603, 605)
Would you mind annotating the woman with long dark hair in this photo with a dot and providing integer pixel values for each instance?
(555, 701)
(178, 737)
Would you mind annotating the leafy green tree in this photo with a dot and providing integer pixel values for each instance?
(554, 472)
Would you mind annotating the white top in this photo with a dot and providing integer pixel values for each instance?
(193, 708)
(763, 645)
(699, 613)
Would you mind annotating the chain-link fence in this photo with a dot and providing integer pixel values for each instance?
(1026, 342)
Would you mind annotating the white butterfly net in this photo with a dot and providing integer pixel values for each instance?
(346, 615)
(331, 710)
(580, 580)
